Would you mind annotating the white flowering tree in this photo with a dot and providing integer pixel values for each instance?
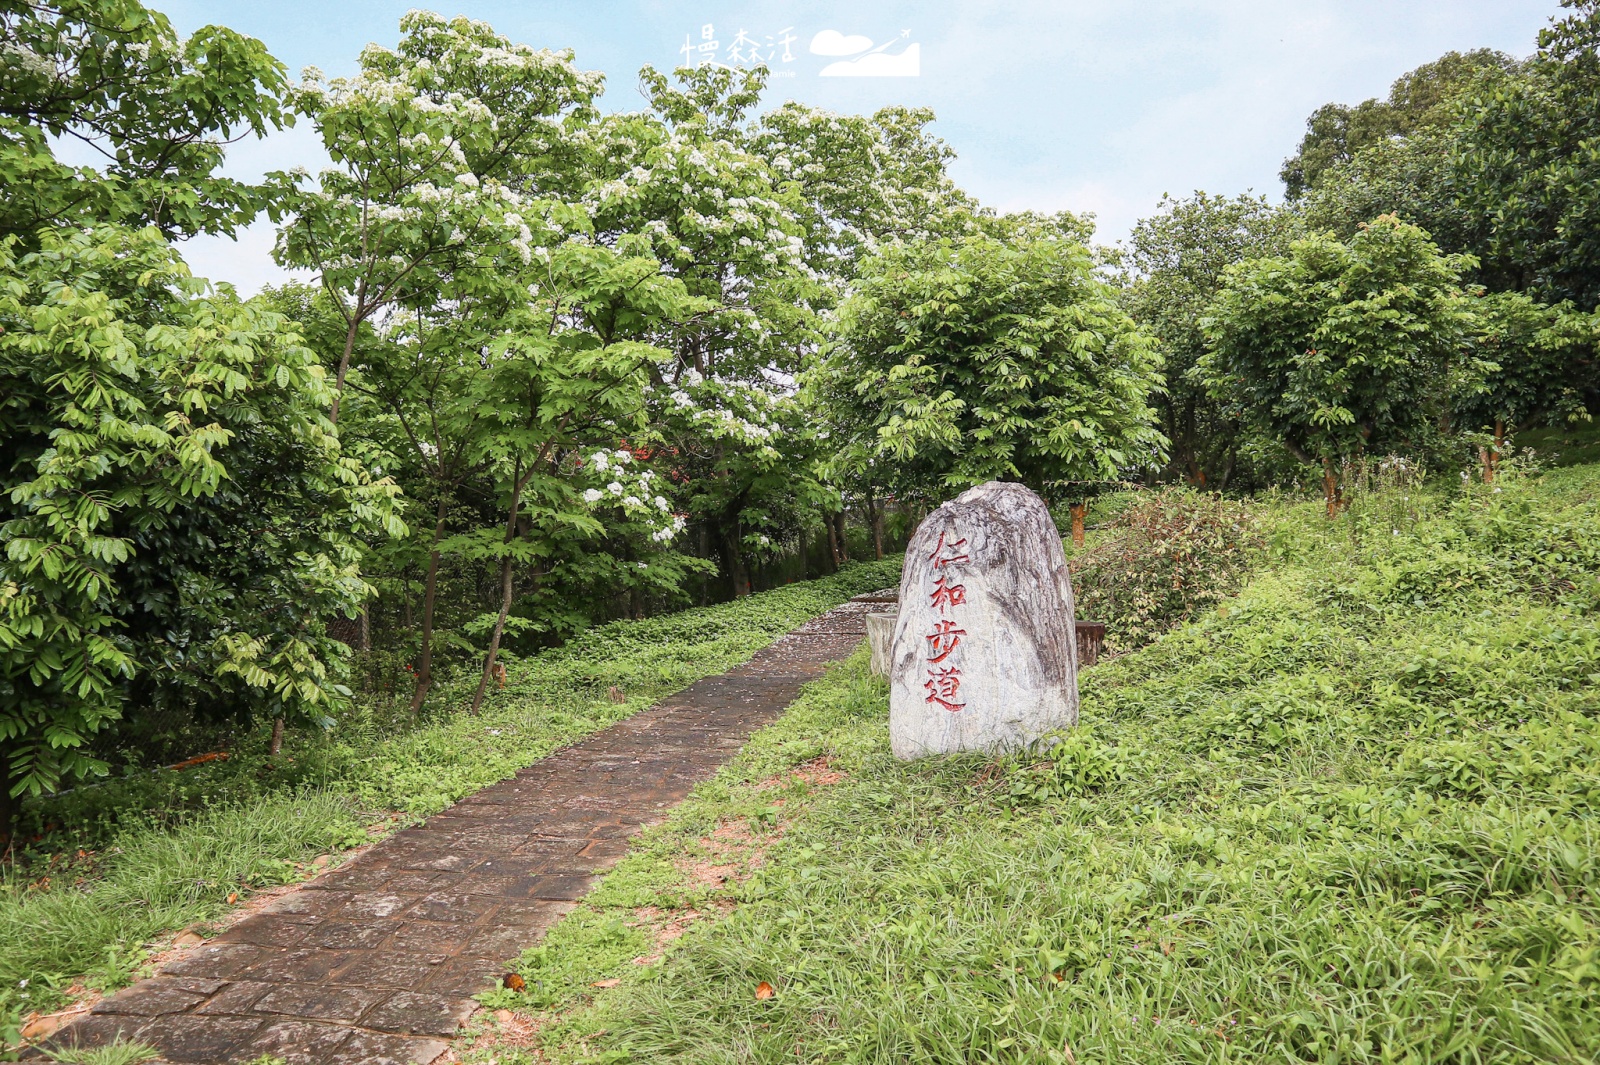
(564, 381)
(719, 218)
(861, 180)
(449, 153)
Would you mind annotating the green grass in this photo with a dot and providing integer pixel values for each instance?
(1570, 445)
(118, 1053)
(162, 851)
(1348, 816)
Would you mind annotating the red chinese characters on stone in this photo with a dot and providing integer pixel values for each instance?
(949, 560)
(944, 639)
(944, 681)
(943, 686)
(945, 594)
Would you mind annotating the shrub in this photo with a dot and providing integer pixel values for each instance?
(1174, 553)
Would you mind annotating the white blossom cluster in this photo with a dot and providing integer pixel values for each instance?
(633, 490)
(724, 410)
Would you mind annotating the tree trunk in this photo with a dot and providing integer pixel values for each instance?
(1077, 510)
(277, 738)
(430, 590)
(844, 544)
(1496, 451)
(350, 335)
(875, 520)
(1227, 470)
(499, 627)
(802, 550)
(705, 552)
(1330, 487)
(518, 481)
(833, 541)
(733, 558)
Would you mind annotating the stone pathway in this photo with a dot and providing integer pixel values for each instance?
(375, 962)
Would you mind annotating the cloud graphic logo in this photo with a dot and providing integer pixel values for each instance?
(879, 64)
(832, 42)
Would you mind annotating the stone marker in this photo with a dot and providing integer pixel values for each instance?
(984, 655)
(880, 639)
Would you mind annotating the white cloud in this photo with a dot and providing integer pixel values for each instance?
(906, 64)
(832, 42)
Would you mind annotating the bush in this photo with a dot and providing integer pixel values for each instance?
(1174, 553)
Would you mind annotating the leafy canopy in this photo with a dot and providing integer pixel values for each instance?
(1338, 349)
(994, 356)
(178, 517)
(155, 111)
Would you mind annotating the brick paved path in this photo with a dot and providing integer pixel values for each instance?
(375, 962)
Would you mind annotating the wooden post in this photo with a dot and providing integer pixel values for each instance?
(1078, 510)
(1330, 487)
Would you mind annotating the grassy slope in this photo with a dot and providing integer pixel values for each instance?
(1356, 821)
(175, 845)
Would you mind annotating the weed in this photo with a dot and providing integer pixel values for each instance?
(118, 1053)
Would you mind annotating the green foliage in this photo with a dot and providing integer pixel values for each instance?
(179, 522)
(1075, 763)
(1523, 162)
(1170, 556)
(1357, 828)
(1409, 177)
(435, 144)
(992, 356)
(1539, 365)
(1340, 349)
(158, 109)
(1177, 259)
(1419, 101)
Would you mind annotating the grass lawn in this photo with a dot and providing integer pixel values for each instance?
(122, 863)
(1347, 816)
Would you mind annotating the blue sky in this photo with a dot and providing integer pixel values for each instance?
(1087, 105)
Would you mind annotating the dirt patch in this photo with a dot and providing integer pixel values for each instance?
(499, 1030)
(817, 773)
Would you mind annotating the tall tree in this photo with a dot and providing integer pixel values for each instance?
(1178, 258)
(1337, 350)
(1538, 366)
(994, 357)
(438, 148)
(1525, 163)
(179, 521)
(1421, 99)
(565, 375)
(719, 217)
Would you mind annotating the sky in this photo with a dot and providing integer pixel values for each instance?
(1084, 105)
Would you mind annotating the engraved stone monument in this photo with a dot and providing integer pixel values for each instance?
(984, 655)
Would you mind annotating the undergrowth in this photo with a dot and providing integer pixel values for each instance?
(121, 863)
(1348, 816)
